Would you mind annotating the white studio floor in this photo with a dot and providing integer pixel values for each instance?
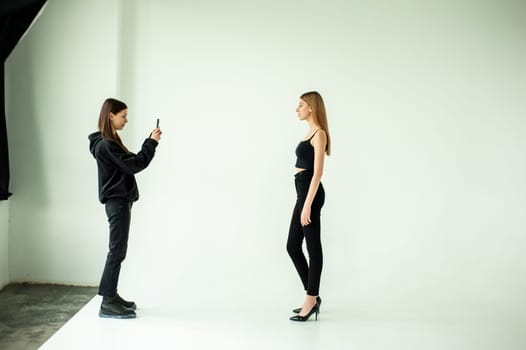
(225, 327)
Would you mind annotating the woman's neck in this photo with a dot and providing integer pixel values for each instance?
(313, 126)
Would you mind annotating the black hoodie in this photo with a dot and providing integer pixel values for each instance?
(117, 168)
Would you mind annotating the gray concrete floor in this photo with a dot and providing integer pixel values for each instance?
(31, 313)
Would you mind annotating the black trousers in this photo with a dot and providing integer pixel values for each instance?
(310, 272)
(119, 215)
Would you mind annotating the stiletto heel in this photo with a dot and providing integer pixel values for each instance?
(315, 310)
(318, 300)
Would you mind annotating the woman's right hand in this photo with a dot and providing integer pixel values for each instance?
(156, 134)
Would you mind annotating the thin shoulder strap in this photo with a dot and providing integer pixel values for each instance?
(310, 138)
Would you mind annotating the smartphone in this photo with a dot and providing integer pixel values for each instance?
(157, 125)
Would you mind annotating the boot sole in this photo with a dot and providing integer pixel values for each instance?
(117, 316)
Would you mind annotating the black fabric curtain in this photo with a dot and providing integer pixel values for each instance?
(15, 17)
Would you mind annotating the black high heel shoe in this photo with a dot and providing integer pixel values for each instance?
(318, 300)
(315, 310)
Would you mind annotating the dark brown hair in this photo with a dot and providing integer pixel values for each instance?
(114, 106)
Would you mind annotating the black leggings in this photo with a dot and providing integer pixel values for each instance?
(119, 215)
(309, 273)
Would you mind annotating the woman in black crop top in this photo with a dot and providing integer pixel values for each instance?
(305, 222)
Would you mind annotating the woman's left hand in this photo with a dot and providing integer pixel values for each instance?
(305, 216)
(156, 134)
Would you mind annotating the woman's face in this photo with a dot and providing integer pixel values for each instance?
(304, 111)
(119, 120)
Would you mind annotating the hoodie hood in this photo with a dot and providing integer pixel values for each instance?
(94, 139)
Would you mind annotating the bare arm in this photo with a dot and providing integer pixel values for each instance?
(319, 142)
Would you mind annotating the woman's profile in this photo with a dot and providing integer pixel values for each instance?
(305, 222)
(117, 191)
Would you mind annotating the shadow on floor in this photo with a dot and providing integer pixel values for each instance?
(31, 313)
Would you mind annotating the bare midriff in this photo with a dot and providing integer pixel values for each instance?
(299, 170)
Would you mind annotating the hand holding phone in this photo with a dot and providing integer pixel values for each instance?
(156, 133)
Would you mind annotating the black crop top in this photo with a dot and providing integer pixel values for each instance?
(305, 154)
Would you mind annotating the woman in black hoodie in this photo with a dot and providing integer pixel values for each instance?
(117, 191)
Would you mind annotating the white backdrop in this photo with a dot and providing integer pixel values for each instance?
(4, 239)
(425, 189)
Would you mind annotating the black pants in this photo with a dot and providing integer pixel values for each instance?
(119, 215)
(310, 273)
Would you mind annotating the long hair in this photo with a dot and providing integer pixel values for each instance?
(114, 106)
(315, 101)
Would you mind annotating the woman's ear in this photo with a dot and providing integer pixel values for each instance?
(112, 116)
